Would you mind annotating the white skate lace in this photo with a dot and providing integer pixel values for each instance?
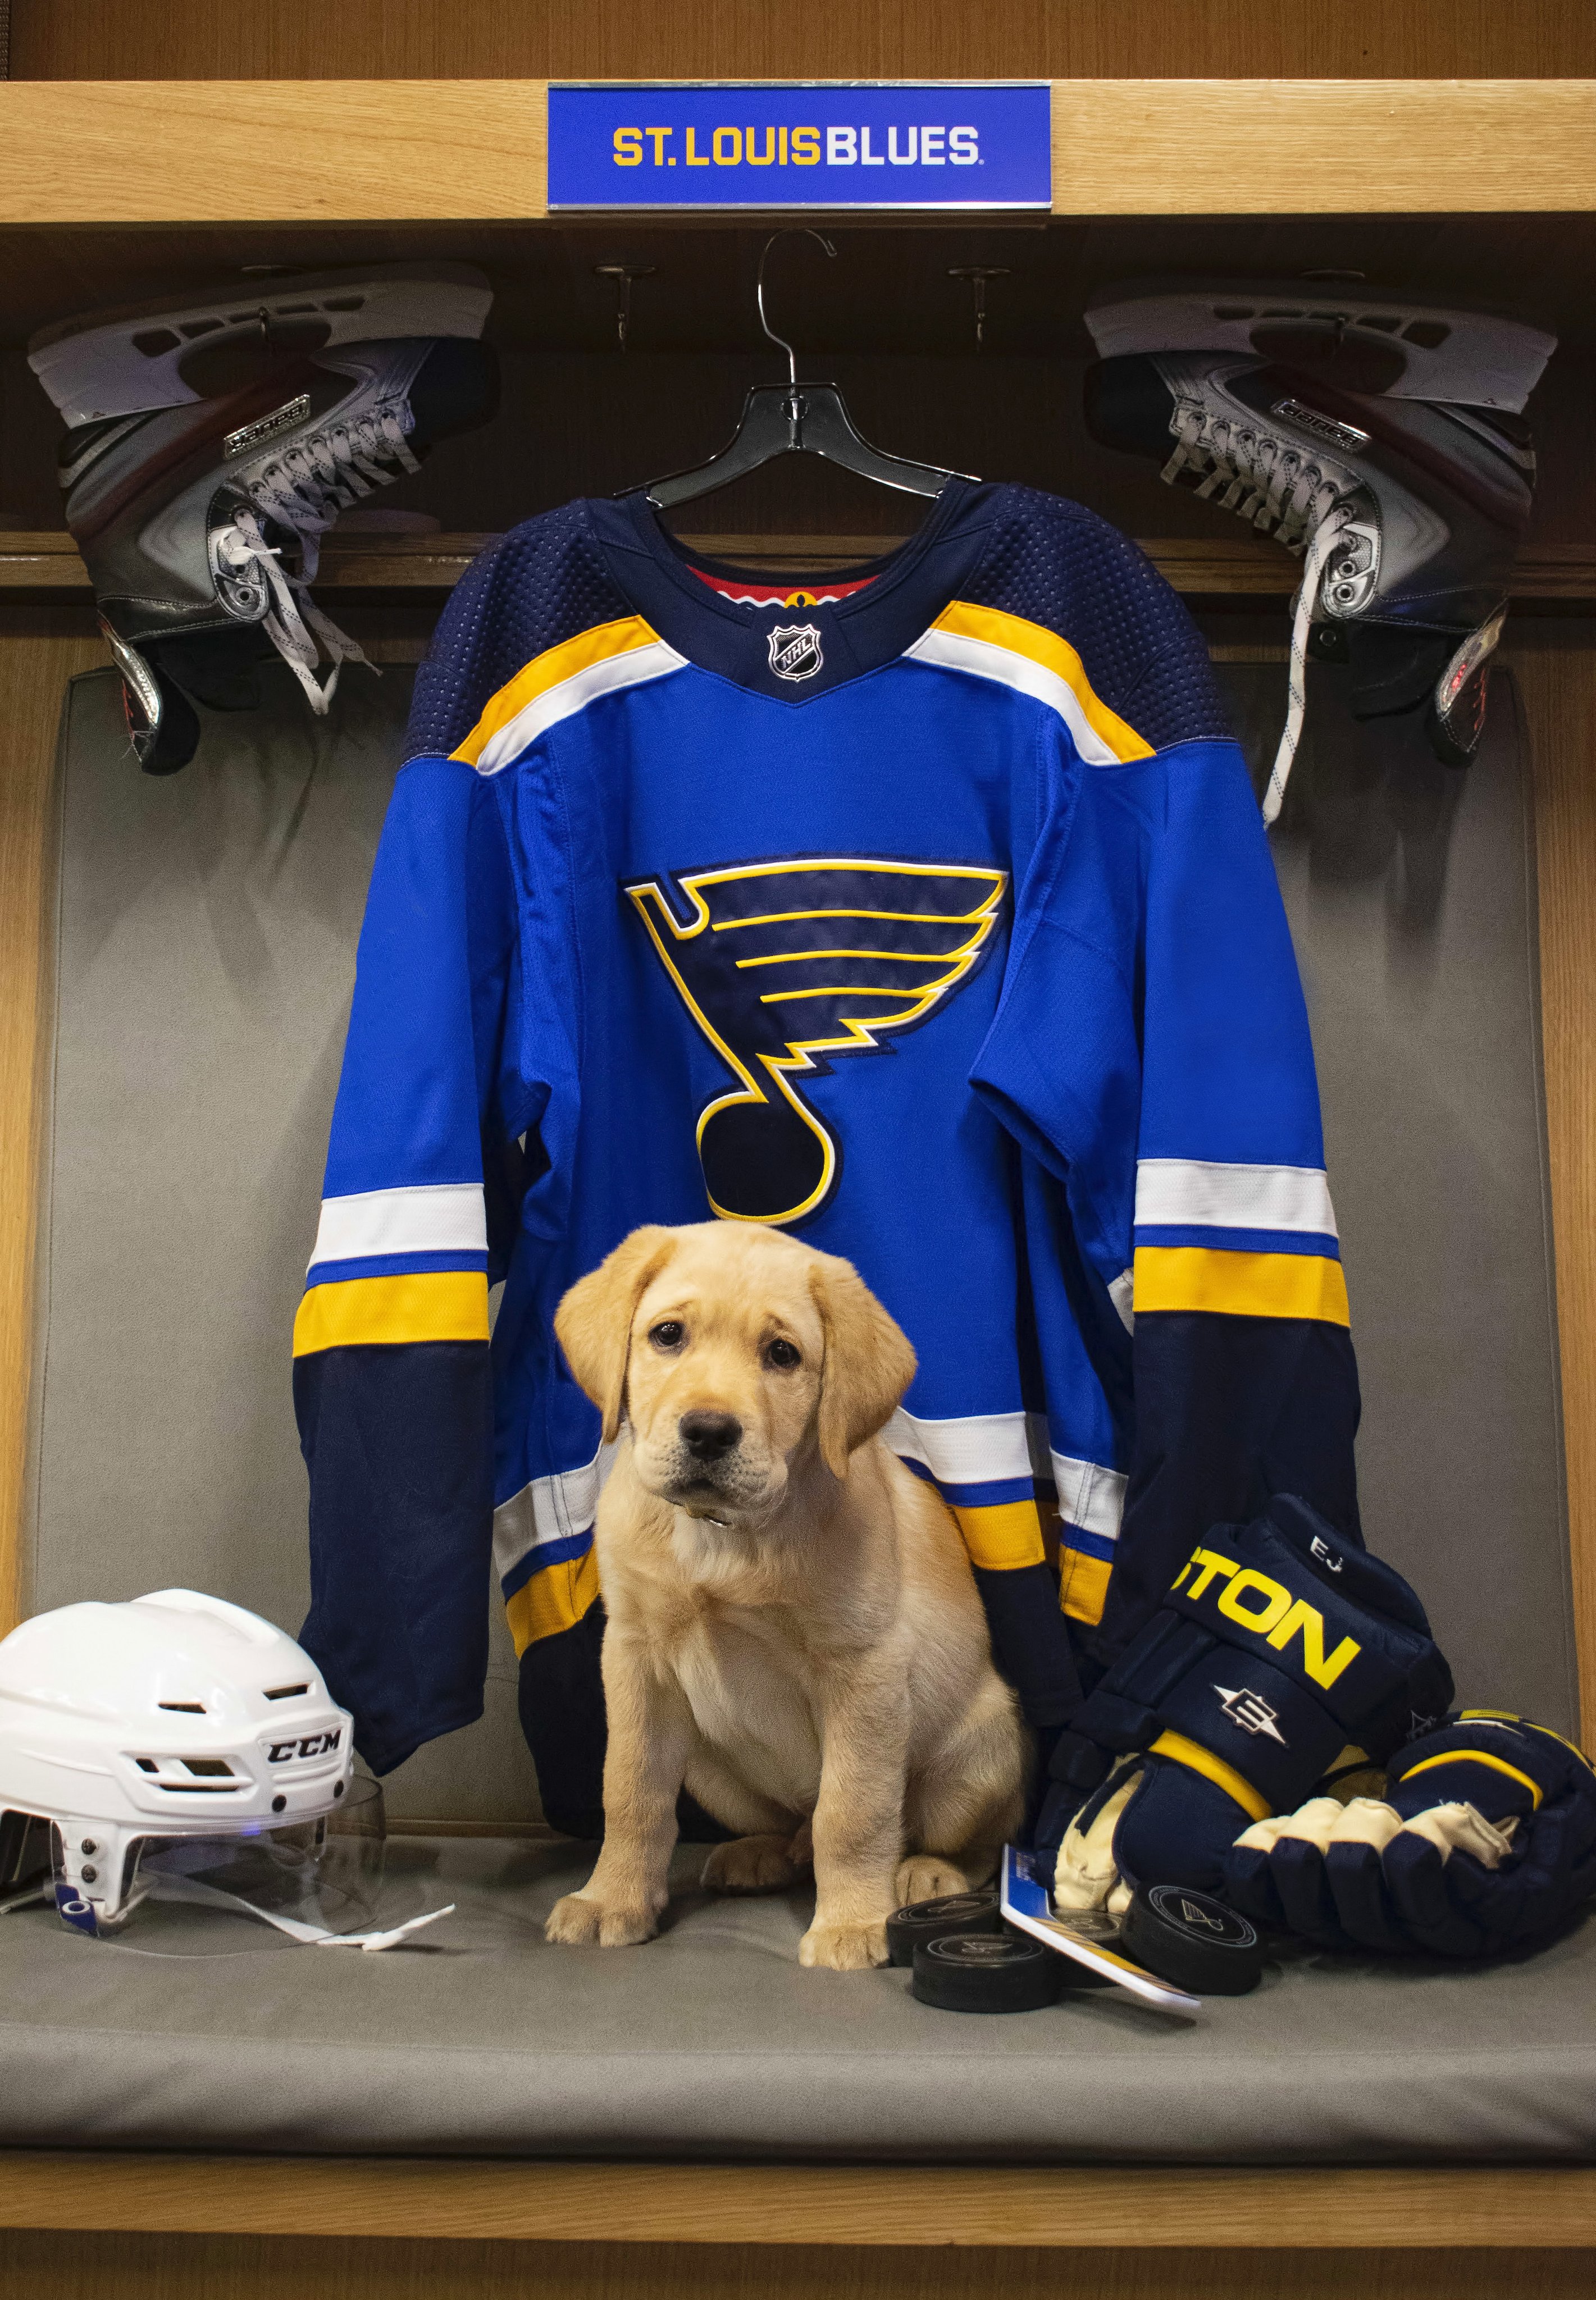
(1315, 560)
(304, 488)
(1285, 494)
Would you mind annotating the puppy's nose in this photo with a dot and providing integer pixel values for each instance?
(708, 1435)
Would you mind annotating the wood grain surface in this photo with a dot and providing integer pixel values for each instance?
(1070, 2207)
(154, 2267)
(842, 39)
(174, 152)
(204, 152)
(47, 562)
(1302, 146)
(1555, 665)
(41, 649)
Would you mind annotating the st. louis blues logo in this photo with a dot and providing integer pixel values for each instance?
(782, 964)
(794, 651)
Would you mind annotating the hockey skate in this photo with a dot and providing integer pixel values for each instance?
(1381, 439)
(229, 441)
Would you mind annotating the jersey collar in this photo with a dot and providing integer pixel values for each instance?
(794, 653)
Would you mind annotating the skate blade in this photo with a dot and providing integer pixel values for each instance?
(128, 361)
(1404, 346)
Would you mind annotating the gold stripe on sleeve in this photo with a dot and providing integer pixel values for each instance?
(1240, 1285)
(431, 1305)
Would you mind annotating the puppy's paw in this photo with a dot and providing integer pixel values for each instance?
(749, 1864)
(580, 1923)
(928, 1877)
(845, 1949)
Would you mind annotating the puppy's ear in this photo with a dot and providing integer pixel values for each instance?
(594, 1319)
(869, 1363)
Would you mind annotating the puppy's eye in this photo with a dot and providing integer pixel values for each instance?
(782, 1354)
(668, 1335)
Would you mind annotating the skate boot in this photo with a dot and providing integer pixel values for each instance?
(1382, 442)
(199, 517)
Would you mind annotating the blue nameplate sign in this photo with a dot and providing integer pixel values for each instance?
(843, 145)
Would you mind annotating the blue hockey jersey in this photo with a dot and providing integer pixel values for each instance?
(929, 915)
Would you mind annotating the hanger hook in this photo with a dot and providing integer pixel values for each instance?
(622, 274)
(805, 231)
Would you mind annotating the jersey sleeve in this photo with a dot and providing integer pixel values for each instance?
(1246, 1384)
(391, 1375)
(1152, 1048)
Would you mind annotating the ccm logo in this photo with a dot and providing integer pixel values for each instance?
(314, 1745)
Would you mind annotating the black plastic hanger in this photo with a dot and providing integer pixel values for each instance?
(791, 418)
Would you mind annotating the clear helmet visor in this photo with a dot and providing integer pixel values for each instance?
(240, 1889)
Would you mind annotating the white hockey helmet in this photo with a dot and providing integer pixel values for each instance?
(161, 1728)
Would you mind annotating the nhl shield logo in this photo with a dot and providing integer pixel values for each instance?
(794, 651)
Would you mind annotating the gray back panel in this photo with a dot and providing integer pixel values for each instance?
(204, 934)
(206, 930)
(1411, 890)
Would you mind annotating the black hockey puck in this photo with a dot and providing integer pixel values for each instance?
(1192, 1940)
(923, 1920)
(986, 1972)
(1099, 1930)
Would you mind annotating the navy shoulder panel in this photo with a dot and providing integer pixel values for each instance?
(1058, 564)
(543, 582)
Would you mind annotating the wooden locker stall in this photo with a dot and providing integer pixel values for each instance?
(144, 149)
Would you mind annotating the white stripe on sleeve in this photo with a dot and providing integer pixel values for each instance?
(982, 1448)
(1089, 1495)
(1193, 1192)
(977, 1449)
(548, 1510)
(434, 1218)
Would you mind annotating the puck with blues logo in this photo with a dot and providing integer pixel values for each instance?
(1192, 1940)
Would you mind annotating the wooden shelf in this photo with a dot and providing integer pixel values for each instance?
(414, 151)
(1319, 147)
(1526, 2207)
(48, 562)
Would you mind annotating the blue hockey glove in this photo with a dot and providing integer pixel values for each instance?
(1486, 1840)
(1276, 1650)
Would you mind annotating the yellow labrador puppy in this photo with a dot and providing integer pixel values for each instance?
(793, 1629)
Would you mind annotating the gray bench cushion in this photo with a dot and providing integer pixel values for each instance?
(713, 2041)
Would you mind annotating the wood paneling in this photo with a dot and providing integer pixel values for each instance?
(48, 562)
(196, 151)
(42, 648)
(335, 2268)
(1194, 146)
(710, 2205)
(357, 150)
(837, 39)
(1556, 668)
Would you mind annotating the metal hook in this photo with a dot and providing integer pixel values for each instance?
(623, 274)
(807, 231)
(978, 274)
